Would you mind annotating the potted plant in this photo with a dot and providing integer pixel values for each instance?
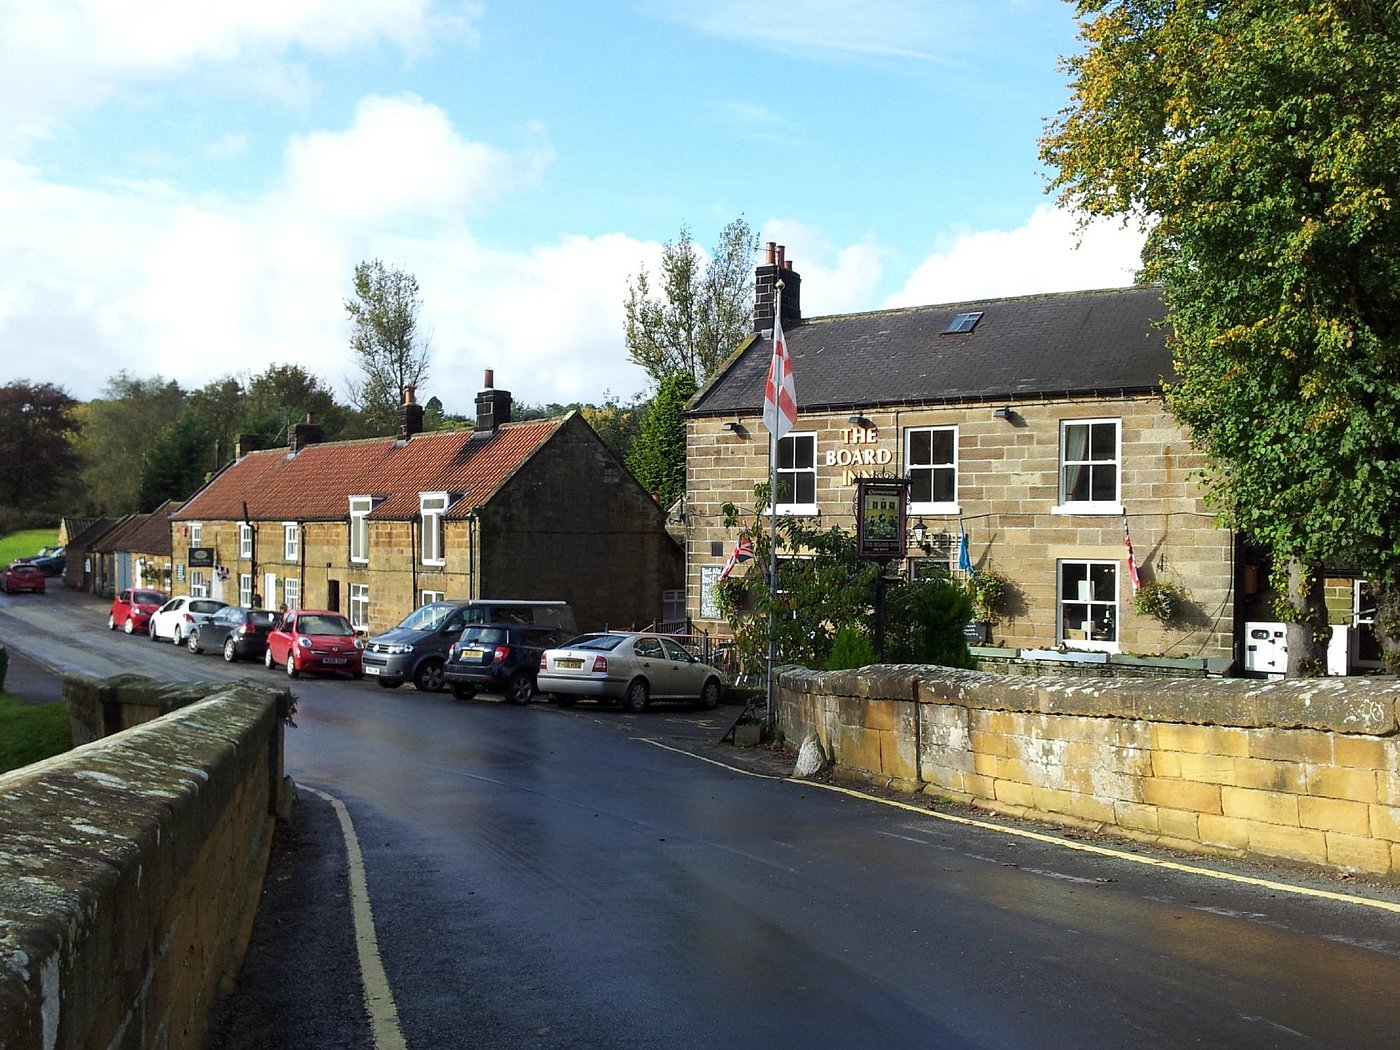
(1163, 602)
(987, 589)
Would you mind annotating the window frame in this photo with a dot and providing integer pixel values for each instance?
(198, 585)
(291, 592)
(245, 589)
(428, 597)
(245, 540)
(932, 506)
(436, 514)
(1090, 506)
(795, 509)
(291, 540)
(361, 507)
(358, 601)
(196, 534)
(1114, 607)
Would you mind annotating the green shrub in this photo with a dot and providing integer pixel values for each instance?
(851, 648)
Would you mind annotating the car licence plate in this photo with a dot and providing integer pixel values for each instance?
(333, 660)
(566, 662)
(371, 669)
(478, 655)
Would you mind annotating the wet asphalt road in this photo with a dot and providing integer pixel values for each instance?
(587, 878)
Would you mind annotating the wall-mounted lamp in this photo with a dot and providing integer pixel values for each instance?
(919, 531)
(860, 421)
(1003, 413)
(735, 427)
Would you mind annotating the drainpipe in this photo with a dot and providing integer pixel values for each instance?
(253, 547)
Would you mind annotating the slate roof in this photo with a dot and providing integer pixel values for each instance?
(317, 483)
(142, 533)
(1078, 343)
(92, 536)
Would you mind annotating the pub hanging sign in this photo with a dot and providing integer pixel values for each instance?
(201, 557)
(880, 504)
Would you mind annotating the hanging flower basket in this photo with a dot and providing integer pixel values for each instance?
(987, 589)
(1164, 602)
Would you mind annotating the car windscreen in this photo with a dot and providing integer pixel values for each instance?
(205, 605)
(485, 636)
(324, 625)
(148, 598)
(262, 617)
(605, 642)
(428, 618)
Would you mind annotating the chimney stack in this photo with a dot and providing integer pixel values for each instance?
(775, 268)
(410, 414)
(305, 433)
(492, 407)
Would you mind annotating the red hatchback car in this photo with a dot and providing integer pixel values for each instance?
(132, 608)
(314, 640)
(22, 576)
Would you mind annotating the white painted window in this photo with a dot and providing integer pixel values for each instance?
(291, 541)
(360, 506)
(196, 534)
(245, 589)
(291, 592)
(1089, 467)
(428, 597)
(797, 474)
(359, 605)
(1088, 603)
(432, 505)
(245, 540)
(931, 460)
(199, 585)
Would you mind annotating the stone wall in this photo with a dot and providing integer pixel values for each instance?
(131, 868)
(1305, 771)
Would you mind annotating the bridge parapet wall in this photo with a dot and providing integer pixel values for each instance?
(131, 866)
(1306, 771)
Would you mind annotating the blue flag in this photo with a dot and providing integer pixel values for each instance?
(964, 558)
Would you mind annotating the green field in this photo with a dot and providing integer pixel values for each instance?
(25, 544)
(28, 734)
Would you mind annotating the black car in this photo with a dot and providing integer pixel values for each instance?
(239, 632)
(500, 658)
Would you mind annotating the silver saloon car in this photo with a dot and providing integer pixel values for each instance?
(632, 668)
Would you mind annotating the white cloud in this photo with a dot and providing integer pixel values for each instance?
(1047, 254)
(401, 156)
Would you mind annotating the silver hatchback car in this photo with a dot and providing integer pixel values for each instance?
(629, 667)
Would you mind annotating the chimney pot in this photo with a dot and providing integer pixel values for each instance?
(772, 253)
(408, 392)
(490, 382)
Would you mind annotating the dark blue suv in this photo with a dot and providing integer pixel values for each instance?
(500, 658)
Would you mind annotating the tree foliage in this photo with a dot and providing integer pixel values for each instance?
(388, 347)
(657, 456)
(38, 463)
(1259, 145)
(699, 313)
(119, 430)
(825, 591)
(178, 462)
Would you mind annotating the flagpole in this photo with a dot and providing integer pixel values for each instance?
(773, 527)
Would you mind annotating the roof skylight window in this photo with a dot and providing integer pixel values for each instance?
(963, 323)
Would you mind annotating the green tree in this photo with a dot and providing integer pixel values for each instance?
(388, 347)
(286, 394)
(38, 463)
(824, 590)
(1258, 144)
(220, 406)
(178, 463)
(657, 456)
(119, 430)
(700, 313)
(616, 422)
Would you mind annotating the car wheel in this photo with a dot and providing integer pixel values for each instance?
(709, 696)
(291, 666)
(464, 692)
(193, 644)
(637, 696)
(151, 631)
(230, 651)
(175, 636)
(267, 658)
(520, 689)
(111, 622)
(129, 627)
(564, 699)
(385, 684)
(427, 678)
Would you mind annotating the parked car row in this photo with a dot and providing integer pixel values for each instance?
(517, 649)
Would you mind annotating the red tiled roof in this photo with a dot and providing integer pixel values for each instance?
(317, 483)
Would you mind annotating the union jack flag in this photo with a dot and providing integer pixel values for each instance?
(1132, 561)
(743, 551)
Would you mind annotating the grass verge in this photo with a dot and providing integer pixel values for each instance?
(25, 544)
(30, 733)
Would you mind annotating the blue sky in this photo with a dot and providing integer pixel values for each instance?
(185, 190)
